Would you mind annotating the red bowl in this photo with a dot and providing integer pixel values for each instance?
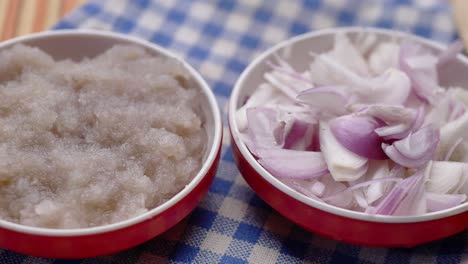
(324, 219)
(107, 239)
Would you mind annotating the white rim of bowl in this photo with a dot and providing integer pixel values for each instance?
(210, 158)
(298, 196)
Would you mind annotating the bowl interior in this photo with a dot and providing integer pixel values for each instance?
(76, 45)
(296, 51)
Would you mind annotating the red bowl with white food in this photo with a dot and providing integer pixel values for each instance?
(367, 157)
(94, 240)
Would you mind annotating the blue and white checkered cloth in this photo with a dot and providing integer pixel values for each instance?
(219, 38)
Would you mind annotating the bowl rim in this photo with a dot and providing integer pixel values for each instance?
(202, 173)
(293, 193)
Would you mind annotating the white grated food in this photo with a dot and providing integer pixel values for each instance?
(94, 142)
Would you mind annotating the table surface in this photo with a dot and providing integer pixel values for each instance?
(219, 38)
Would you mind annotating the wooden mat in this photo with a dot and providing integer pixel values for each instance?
(20, 17)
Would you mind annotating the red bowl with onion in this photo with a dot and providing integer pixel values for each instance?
(322, 180)
(119, 235)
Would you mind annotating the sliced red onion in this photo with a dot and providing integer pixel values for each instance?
(416, 149)
(442, 111)
(338, 73)
(415, 125)
(424, 62)
(383, 57)
(450, 53)
(459, 93)
(343, 164)
(331, 99)
(406, 198)
(262, 123)
(260, 97)
(456, 109)
(390, 114)
(392, 87)
(380, 170)
(293, 164)
(360, 198)
(280, 85)
(293, 81)
(364, 120)
(446, 177)
(286, 79)
(300, 129)
(361, 185)
(282, 63)
(451, 132)
(292, 114)
(302, 136)
(357, 134)
(438, 202)
(399, 120)
(451, 150)
(464, 187)
(345, 200)
(424, 84)
(303, 187)
(340, 66)
(313, 189)
(365, 42)
(318, 188)
(288, 71)
(347, 54)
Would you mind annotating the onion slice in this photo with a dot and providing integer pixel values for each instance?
(263, 124)
(346, 53)
(302, 135)
(379, 170)
(383, 57)
(293, 164)
(331, 99)
(357, 134)
(345, 200)
(343, 164)
(450, 133)
(415, 150)
(392, 87)
(424, 81)
(452, 149)
(438, 202)
(400, 121)
(304, 187)
(447, 109)
(450, 52)
(263, 96)
(446, 177)
(363, 184)
(290, 74)
(406, 198)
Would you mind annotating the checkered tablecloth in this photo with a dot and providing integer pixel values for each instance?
(219, 38)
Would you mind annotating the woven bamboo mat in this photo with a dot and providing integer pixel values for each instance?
(20, 17)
